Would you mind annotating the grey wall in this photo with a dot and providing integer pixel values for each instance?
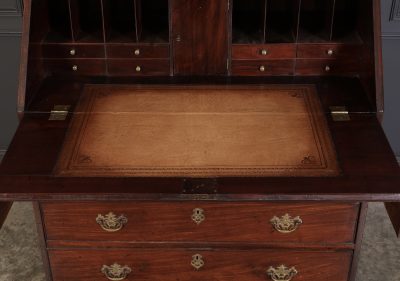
(10, 31)
(10, 27)
(391, 64)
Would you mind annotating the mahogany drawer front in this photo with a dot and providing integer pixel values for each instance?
(181, 264)
(76, 66)
(201, 222)
(328, 51)
(139, 67)
(262, 67)
(327, 66)
(277, 51)
(137, 51)
(73, 51)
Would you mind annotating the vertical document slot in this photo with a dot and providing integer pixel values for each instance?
(152, 19)
(281, 21)
(120, 23)
(87, 21)
(248, 21)
(57, 17)
(346, 21)
(316, 21)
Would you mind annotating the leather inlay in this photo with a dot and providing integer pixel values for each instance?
(198, 131)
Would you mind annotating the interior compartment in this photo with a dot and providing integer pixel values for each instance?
(248, 21)
(316, 20)
(345, 21)
(59, 22)
(152, 21)
(87, 20)
(120, 22)
(281, 21)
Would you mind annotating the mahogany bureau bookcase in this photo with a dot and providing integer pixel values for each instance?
(198, 140)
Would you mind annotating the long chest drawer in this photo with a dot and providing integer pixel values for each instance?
(198, 265)
(201, 222)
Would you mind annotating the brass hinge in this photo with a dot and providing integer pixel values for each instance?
(59, 112)
(339, 113)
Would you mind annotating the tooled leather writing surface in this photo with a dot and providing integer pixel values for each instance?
(194, 131)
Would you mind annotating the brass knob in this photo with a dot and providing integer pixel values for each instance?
(138, 69)
(327, 68)
(198, 215)
(262, 68)
(264, 52)
(286, 224)
(75, 67)
(137, 52)
(281, 273)
(116, 272)
(329, 52)
(72, 52)
(110, 222)
(197, 261)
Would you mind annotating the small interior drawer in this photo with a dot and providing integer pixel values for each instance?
(138, 67)
(197, 264)
(277, 51)
(76, 66)
(73, 51)
(327, 66)
(262, 67)
(328, 51)
(137, 51)
(201, 222)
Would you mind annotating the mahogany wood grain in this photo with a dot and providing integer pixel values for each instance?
(171, 221)
(42, 240)
(270, 67)
(84, 66)
(81, 51)
(80, 244)
(147, 67)
(361, 222)
(327, 67)
(145, 51)
(348, 51)
(200, 37)
(219, 264)
(276, 51)
(4, 210)
(393, 210)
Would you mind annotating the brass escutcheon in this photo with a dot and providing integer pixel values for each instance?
(116, 272)
(197, 261)
(110, 222)
(281, 273)
(198, 215)
(286, 223)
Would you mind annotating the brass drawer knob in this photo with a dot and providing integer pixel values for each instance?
(262, 68)
(116, 272)
(281, 273)
(198, 215)
(197, 261)
(286, 224)
(327, 68)
(75, 68)
(110, 222)
(329, 52)
(264, 52)
(72, 52)
(137, 52)
(138, 69)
